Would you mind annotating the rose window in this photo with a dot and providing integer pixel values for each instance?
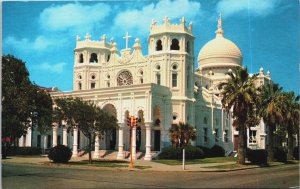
(124, 78)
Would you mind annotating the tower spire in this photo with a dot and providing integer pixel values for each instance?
(219, 32)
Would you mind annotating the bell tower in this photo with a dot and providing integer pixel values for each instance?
(171, 55)
(89, 57)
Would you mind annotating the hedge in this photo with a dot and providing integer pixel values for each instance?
(191, 152)
(257, 156)
(60, 154)
(280, 154)
(24, 151)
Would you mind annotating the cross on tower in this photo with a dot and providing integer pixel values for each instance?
(126, 38)
(220, 21)
(166, 19)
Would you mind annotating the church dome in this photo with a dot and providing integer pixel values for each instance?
(219, 51)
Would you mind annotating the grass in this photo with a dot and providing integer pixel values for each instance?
(197, 161)
(99, 163)
(231, 166)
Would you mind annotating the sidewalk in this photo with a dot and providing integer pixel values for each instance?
(153, 166)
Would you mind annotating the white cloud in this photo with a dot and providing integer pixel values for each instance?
(255, 7)
(38, 44)
(139, 20)
(55, 68)
(74, 16)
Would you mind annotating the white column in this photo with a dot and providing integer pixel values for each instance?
(96, 153)
(28, 137)
(65, 136)
(148, 143)
(54, 137)
(133, 143)
(21, 141)
(75, 145)
(120, 154)
(45, 141)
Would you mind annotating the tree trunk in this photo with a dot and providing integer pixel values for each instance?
(290, 143)
(90, 149)
(270, 146)
(242, 145)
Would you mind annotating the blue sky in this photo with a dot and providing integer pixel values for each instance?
(43, 33)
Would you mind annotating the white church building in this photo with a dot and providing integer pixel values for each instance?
(161, 89)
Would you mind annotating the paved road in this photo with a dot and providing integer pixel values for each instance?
(30, 176)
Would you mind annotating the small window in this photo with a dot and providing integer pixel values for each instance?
(108, 57)
(79, 77)
(205, 120)
(158, 45)
(79, 86)
(216, 135)
(174, 80)
(158, 79)
(108, 84)
(108, 76)
(226, 136)
(141, 80)
(188, 47)
(205, 135)
(93, 76)
(175, 44)
(93, 85)
(81, 58)
(252, 136)
(157, 67)
(174, 117)
(94, 58)
(174, 67)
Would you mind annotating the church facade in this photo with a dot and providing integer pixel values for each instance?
(161, 89)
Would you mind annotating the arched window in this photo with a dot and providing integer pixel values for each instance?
(80, 58)
(158, 79)
(158, 45)
(94, 58)
(124, 78)
(79, 86)
(174, 79)
(205, 120)
(108, 84)
(175, 44)
(93, 85)
(108, 57)
(188, 47)
(141, 80)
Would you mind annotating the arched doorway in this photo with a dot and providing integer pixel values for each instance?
(111, 135)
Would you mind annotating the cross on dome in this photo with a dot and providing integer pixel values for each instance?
(182, 20)
(220, 32)
(126, 38)
(104, 37)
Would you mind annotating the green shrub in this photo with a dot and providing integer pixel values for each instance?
(205, 150)
(217, 151)
(60, 154)
(24, 151)
(191, 152)
(280, 154)
(257, 156)
(296, 152)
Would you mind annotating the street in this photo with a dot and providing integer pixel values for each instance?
(31, 176)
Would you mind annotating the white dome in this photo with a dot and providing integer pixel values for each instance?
(220, 52)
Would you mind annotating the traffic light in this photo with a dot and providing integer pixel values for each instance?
(128, 121)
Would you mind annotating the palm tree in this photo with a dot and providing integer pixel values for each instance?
(291, 119)
(239, 95)
(181, 134)
(271, 110)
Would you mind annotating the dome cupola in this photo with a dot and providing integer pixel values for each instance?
(219, 52)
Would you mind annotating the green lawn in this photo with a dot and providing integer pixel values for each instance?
(197, 161)
(99, 163)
